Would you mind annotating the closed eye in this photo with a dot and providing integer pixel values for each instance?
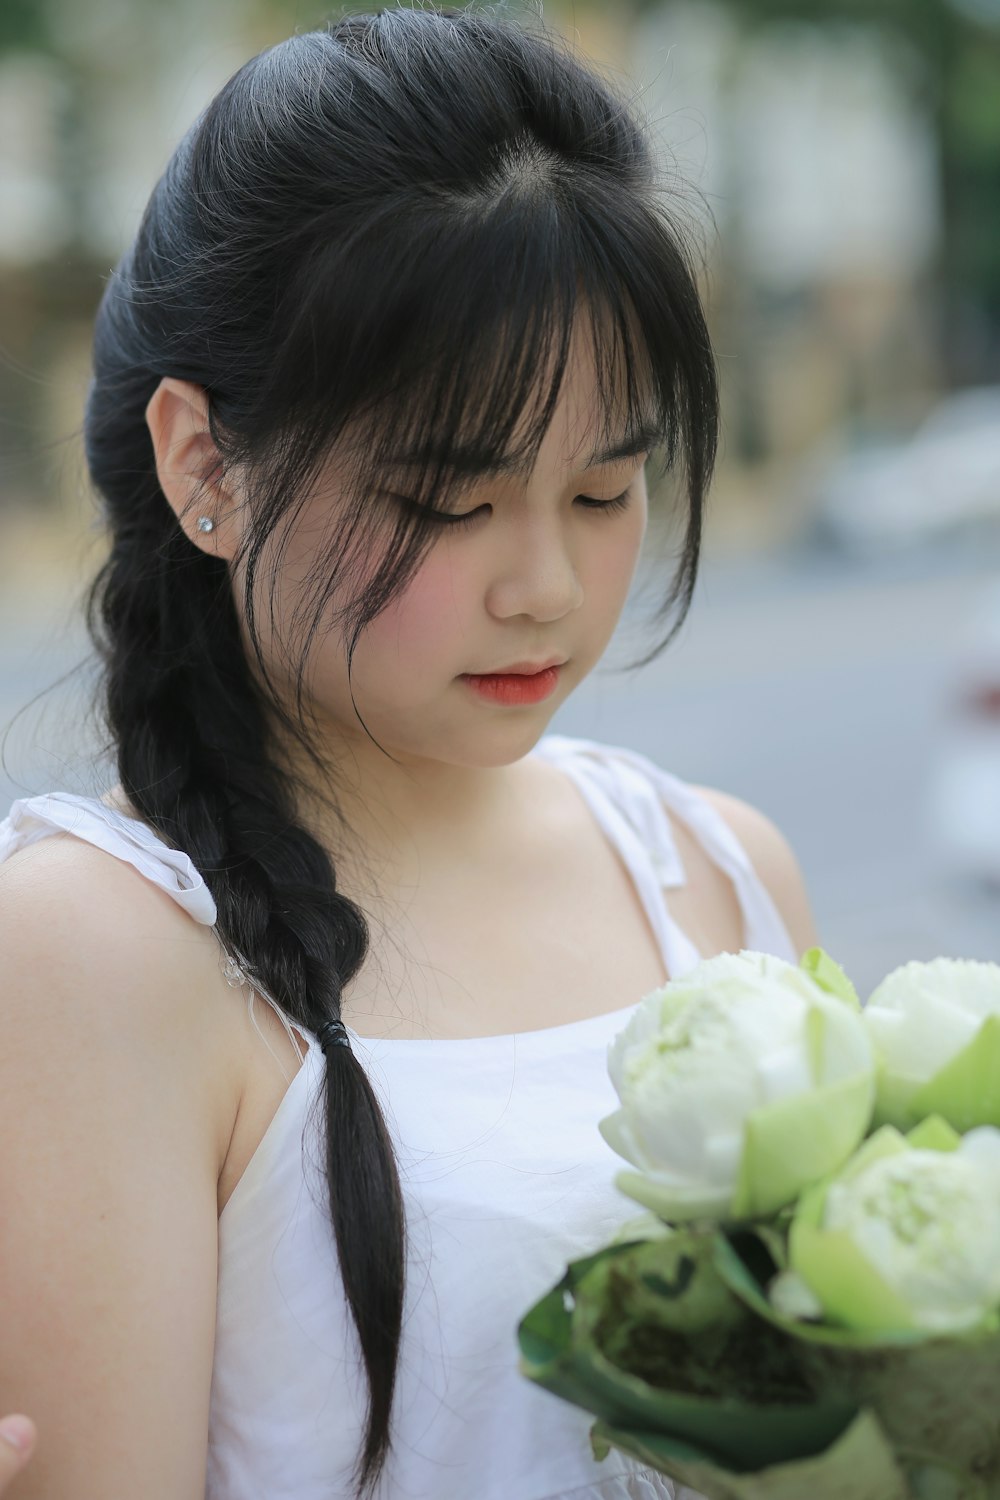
(620, 502)
(448, 518)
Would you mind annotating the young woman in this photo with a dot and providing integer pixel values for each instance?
(377, 388)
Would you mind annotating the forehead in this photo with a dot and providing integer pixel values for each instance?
(472, 461)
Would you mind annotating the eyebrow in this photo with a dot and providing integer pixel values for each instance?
(465, 460)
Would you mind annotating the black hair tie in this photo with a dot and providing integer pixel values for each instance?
(333, 1034)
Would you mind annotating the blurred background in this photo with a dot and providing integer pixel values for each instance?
(840, 668)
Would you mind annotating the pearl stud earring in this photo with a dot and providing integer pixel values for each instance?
(205, 523)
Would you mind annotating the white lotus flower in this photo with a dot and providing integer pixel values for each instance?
(935, 1028)
(740, 1083)
(907, 1235)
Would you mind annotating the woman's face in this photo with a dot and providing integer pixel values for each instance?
(536, 574)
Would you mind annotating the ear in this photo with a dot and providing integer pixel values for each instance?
(189, 465)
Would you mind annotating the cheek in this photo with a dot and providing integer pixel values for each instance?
(425, 626)
(614, 559)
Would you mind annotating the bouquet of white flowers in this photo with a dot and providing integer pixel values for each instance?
(810, 1306)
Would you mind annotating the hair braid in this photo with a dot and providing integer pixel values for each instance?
(194, 758)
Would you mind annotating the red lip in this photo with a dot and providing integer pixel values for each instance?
(522, 668)
(513, 688)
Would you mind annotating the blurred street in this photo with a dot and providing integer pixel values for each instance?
(813, 689)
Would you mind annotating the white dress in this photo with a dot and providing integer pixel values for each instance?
(506, 1178)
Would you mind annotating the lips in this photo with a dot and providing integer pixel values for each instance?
(514, 688)
(523, 668)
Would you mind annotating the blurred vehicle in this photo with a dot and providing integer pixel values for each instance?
(890, 495)
(964, 794)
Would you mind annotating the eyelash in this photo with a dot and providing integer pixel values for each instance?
(618, 503)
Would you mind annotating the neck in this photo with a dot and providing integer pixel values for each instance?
(406, 817)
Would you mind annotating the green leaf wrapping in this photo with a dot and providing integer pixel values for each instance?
(936, 1399)
(858, 1465)
(565, 1338)
(810, 1412)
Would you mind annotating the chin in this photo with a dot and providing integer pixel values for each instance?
(518, 740)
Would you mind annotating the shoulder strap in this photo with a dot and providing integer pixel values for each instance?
(628, 787)
(33, 818)
(88, 818)
(646, 790)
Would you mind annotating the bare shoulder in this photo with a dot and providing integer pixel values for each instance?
(109, 1115)
(773, 858)
(66, 885)
(130, 958)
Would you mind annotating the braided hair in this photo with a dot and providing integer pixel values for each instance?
(376, 236)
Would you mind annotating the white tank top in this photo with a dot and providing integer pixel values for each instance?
(506, 1178)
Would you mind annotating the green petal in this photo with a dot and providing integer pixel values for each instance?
(815, 1029)
(674, 1205)
(797, 1141)
(894, 1096)
(933, 1134)
(830, 976)
(967, 1090)
(853, 1293)
(886, 1141)
(851, 1290)
(832, 1340)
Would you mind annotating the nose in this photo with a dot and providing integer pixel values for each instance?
(536, 573)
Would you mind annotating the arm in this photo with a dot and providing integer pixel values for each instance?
(774, 860)
(108, 1222)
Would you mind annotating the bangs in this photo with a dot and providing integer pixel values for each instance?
(480, 411)
(456, 353)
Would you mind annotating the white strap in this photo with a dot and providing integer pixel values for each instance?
(650, 855)
(764, 927)
(31, 818)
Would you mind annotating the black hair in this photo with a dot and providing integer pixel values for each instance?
(374, 239)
